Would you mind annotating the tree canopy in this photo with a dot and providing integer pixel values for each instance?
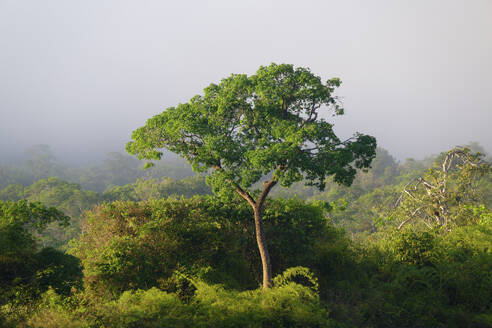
(268, 126)
(247, 127)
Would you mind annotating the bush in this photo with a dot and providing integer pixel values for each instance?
(127, 245)
(288, 305)
(430, 280)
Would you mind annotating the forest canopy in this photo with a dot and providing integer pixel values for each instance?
(338, 257)
(368, 241)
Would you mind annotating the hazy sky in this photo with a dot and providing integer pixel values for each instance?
(81, 75)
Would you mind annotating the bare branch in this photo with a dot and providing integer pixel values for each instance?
(412, 216)
(405, 222)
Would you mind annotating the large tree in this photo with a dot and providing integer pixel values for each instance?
(264, 127)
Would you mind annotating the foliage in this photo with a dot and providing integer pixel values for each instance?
(69, 197)
(22, 215)
(290, 305)
(145, 189)
(191, 262)
(25, 272)
(265, 126)
(128, 245)
(297, 275)
(73, 200)
(65, 196)
(247, 127)
(415, 248)
(426, 279)
(440, 197)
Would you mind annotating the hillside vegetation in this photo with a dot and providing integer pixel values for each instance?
(159, 252)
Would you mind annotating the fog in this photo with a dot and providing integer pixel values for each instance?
(80, 76)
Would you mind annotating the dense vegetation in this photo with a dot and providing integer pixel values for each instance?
(366, 242)
(162, 252)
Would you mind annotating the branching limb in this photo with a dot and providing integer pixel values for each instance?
(412, 216)
(243, 193)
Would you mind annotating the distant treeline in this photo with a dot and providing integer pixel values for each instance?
(360, 209)
(116, 169)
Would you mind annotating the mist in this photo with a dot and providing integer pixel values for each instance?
(81, 76)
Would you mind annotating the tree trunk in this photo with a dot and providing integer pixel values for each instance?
(262, 246)
(260, 235)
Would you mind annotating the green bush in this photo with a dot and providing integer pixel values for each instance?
(430, 280)
(288, 305)
(127, 245)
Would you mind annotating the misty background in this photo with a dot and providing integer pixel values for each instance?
(80, 76)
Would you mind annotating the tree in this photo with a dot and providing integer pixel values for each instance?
(443, 196)
(120, 169)
(265, 127)
(24, 272)
(41, 163)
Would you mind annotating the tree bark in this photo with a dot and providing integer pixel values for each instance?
(262, 246)
(260, 234)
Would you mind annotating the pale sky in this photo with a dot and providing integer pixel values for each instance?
(81, 75)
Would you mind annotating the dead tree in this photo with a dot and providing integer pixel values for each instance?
(433, 197)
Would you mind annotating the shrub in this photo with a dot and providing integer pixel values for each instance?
(127, 245)
(288, 305)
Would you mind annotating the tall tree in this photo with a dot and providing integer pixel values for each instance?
(41, 163)
(265, 127)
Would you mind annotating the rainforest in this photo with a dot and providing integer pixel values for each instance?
(249, 163)
(267, 220)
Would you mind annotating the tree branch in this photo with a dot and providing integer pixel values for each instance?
(412, 216)
(243, 193)
(267, 186)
